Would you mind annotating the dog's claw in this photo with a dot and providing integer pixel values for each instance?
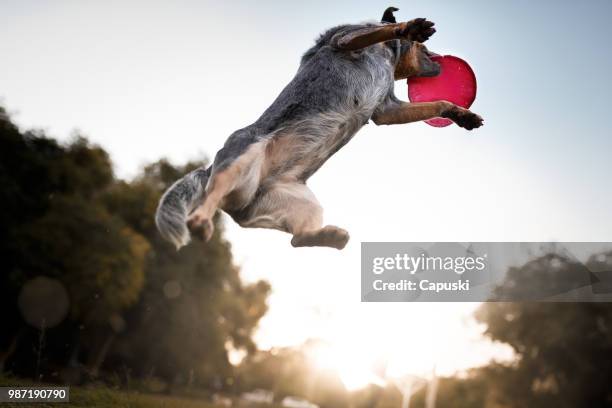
(419, 30)
(464, 118)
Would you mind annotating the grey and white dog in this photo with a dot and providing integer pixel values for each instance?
(259, 176)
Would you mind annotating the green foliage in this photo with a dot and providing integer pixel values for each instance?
(96, 255)
(54, 224)
(137, 305)
(564, 349)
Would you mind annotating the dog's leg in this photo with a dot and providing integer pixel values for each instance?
(415, 112)
(241, 176)
(328, 236)
(418, 30)
(291, 207)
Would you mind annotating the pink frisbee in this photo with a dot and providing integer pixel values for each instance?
(456, 83)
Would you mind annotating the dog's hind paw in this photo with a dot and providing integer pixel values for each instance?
(328, 236)
(334, 237)
(464, 117)
(200, 227)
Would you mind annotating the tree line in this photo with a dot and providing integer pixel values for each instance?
(88, 286)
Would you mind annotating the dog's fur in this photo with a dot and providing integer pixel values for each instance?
(259, 176)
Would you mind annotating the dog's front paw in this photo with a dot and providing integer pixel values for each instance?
(200, 226)
(419, 30)
(464, 117)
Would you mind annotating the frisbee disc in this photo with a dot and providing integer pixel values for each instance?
(456, 83)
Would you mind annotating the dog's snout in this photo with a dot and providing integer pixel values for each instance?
(431, 69)
(436, 69)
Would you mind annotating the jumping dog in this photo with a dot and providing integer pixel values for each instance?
(259, 176)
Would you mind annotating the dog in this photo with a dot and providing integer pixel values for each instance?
(259, 176)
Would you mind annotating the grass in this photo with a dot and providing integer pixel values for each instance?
(100, 396)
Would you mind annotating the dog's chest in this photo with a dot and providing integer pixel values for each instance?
(368, 87)
(313, 141)
(330, 131)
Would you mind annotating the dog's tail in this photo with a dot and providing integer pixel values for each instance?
(176, 204)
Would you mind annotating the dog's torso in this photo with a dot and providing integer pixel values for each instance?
(259, 176)
(333, 94)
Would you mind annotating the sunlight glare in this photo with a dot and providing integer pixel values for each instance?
(353, 368)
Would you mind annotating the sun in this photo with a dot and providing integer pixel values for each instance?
(354, 368)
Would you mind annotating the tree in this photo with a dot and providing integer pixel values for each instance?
(55, 225)
(136, 304)
(564, 350)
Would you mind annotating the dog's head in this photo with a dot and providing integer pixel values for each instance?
(415, 60)
(414, 57)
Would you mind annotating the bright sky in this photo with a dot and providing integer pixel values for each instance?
(151, 79)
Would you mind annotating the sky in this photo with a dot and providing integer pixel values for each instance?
(151, 79)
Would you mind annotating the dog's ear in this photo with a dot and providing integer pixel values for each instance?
(388, 16)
